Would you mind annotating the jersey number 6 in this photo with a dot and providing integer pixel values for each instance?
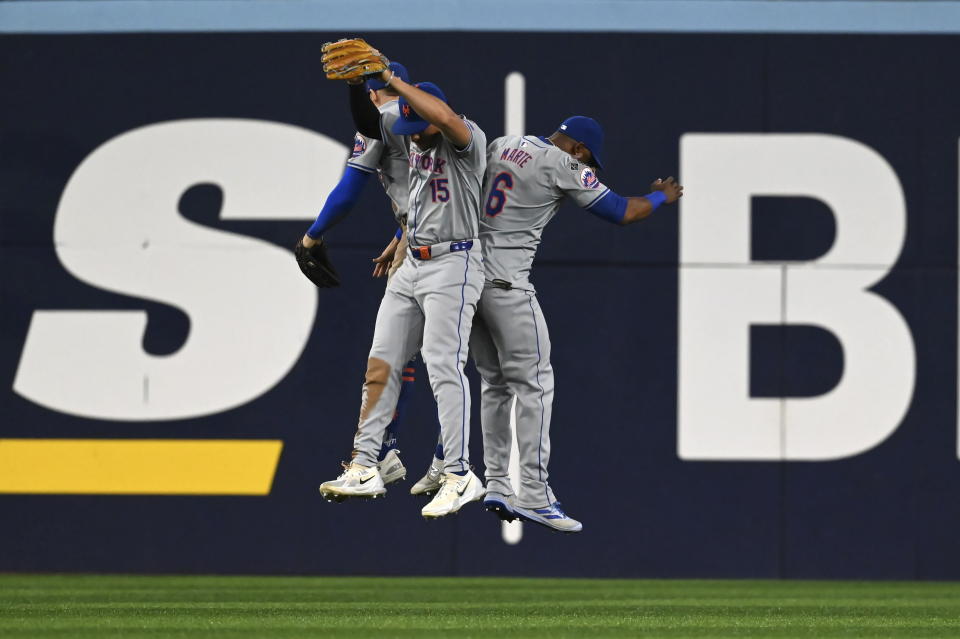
(498, 196)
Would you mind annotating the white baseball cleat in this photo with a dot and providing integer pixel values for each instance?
(391, 468)
(429, 483)
(354, 481)
(551, 516)
(455, 491)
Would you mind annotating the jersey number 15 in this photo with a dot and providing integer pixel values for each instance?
(440, 190)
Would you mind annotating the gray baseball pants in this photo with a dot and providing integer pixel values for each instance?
(429, 306)
(511, 349)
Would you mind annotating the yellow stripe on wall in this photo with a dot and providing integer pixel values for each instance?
(138, 466)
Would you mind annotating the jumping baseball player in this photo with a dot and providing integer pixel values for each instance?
(527, 179)
(431, 300)
(372, 156)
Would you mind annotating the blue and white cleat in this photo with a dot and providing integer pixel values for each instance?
(501, 505)
(551, 516)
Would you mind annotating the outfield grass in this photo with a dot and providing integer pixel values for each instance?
(118, 606)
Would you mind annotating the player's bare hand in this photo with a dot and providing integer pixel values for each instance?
(670, 188)
(381, 264)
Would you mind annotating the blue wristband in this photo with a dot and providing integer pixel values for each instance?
(399, 233)
(656, 198)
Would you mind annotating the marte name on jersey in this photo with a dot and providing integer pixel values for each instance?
(516, 156)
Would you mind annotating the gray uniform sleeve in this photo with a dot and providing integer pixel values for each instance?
(475, 153)
(579, 182)
(366, 153)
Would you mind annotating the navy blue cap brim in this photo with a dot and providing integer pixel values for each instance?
(596, 159)
(594, 156)
(406, 127)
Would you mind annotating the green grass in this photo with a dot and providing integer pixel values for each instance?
(120, 606)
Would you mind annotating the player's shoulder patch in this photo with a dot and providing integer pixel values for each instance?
(588, 178)
(359, 146)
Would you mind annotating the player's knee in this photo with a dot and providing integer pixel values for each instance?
(443, 359)
(378, 371)
(374, 382)
(493, 385)
(516, 373)
(441, 362)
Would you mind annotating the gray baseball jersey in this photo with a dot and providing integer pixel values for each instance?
(527, 179)
(387, 158)
(429, 304)
(445, 185)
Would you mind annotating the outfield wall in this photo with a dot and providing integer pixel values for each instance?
(760, 384)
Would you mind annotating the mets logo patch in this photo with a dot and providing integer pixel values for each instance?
(589, 179)
(406, 110)
(359, 146)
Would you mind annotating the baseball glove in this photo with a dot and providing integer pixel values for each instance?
(316, 265)
(351, 58)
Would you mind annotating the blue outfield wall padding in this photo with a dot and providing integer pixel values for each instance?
(611, 297)
(681, 16)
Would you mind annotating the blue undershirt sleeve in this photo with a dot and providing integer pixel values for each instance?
(611, 207)
(341, 199)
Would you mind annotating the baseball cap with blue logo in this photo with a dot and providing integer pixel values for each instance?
(400, 71)
(410, 121)
(586, 131)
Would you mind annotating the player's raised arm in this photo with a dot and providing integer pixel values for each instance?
(582, 139)
(432, 109)
(366, 117)
(614, 208)
(353, 60)
(661, 192)
(366, 97)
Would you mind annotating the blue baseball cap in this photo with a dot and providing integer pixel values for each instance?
(587, 131)
(410, 121)
(400, 71)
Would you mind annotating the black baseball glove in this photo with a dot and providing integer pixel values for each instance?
(316, 265)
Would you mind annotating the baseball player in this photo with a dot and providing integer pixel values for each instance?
(527, 179)
(389, 162)
(431, 300)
